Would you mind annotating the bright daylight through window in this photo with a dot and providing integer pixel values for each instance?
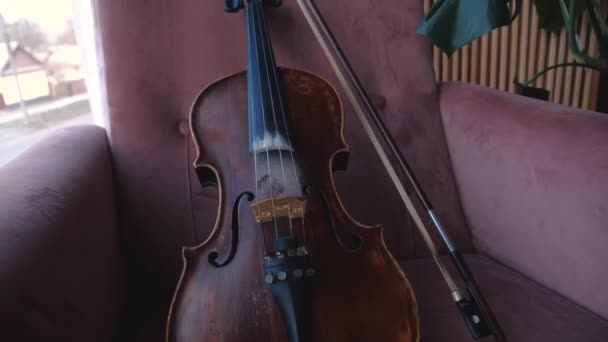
(42, 73)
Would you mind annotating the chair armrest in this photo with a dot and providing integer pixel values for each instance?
(533, 180)
(59, 263)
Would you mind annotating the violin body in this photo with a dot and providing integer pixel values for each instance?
(357, 293)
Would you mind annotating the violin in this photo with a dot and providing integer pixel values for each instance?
(284, 261)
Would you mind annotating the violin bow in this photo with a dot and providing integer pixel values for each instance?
(475, 311)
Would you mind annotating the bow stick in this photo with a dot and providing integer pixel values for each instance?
(475, 311)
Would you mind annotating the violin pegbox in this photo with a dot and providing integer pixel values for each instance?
(232, 6)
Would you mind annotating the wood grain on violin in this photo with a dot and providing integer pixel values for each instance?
(285, 262)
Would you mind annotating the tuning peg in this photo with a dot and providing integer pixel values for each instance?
(231, 6)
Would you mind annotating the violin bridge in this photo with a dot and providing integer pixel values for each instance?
(272, 208)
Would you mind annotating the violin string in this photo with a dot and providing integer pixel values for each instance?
(255, 45)
(263, 30)
(293, 162)
(255, 154)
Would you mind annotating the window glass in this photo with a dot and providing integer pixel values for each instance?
(43, 79)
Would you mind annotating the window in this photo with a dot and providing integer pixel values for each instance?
(45, 48)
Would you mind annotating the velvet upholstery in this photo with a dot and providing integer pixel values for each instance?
(533, 179)
(59, 256)
(526, 310)
(159, 54)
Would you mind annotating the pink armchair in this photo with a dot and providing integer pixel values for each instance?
(531, 178)
(91, 228)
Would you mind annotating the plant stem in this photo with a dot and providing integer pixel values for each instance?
(516, 10)
(600, 28)
(573, 43)
(594, 8)
(574, 64)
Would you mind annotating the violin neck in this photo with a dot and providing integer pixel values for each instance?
(268, 121)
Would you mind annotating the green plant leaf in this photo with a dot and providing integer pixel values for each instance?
(451, 24)
(579, 7)
(550, 16)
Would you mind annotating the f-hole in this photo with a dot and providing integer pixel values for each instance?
(235, 233)
(356, 240)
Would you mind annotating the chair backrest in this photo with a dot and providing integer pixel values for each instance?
(158, 54)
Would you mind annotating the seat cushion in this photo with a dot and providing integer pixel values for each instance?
(526, 310)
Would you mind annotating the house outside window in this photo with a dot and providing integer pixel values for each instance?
(43, 73)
